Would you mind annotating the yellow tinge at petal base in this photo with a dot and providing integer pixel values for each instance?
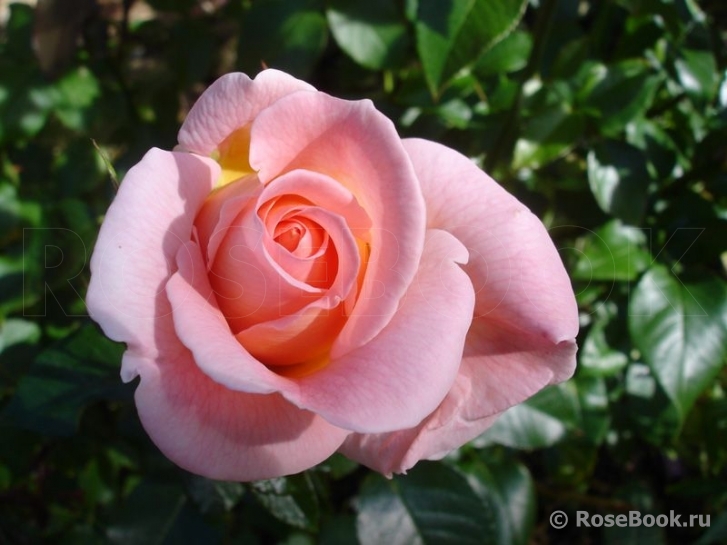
(233, 155)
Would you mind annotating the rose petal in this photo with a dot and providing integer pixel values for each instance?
(401, 375)
(499, 369)
(522, 340)
(148, 221)
(323, 191)
(220, 209)
(351, 142)
(391, 383)
(213, 431)
(203, 329)
(249, 285)
(229, 104)
(517, 273)
(344, 272)
(296, 338)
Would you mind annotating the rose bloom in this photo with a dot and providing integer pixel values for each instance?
(295, 280)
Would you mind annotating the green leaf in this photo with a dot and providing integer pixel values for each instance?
(697, 72)
(147, 516)
(506, 487)
(618, 94)
(681, 330)
(659, 148)
(619, 180)
(77, 91)
(372, 33)
(647, 407)
(541, 421)
(453, 34)
(612, 252)
(597, 357)
(214, 496)
(509, 55)
(16, 331)
(286, 34)
(548, 135)
(339, 530)
(717, 532)
(64, 379)
(593, 400)
(290, 499)
(431, 504)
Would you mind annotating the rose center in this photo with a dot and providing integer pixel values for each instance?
(289, 235)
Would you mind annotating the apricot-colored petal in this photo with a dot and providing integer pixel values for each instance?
(250, 286)
(146, 224)
(342, 273)
(356, 145)
(204, 330)
(230, 103)
(219, 210)
(322, 191)
(294, 339)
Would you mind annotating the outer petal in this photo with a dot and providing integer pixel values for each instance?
(523, 337)
(355, 144)
(499, 369)
(517, 273)
(213, 431)
(229, 104)
(148, 221)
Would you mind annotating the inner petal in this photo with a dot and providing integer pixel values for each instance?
(288, 235)
(301, 237)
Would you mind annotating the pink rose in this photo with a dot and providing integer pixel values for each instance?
(296, 280)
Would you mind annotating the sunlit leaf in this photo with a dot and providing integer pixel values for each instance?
(681, 330)
(452, 34)
(619, 180)
(539, 422)
(290, 499)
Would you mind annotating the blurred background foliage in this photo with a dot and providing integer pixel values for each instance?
(608, 118)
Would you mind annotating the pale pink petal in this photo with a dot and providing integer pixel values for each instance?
(229, 104)
(222, 434)
(148, 221)
(499, 369)
(517, 273)
(523, 337)
(401, 375)
(356, 145)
